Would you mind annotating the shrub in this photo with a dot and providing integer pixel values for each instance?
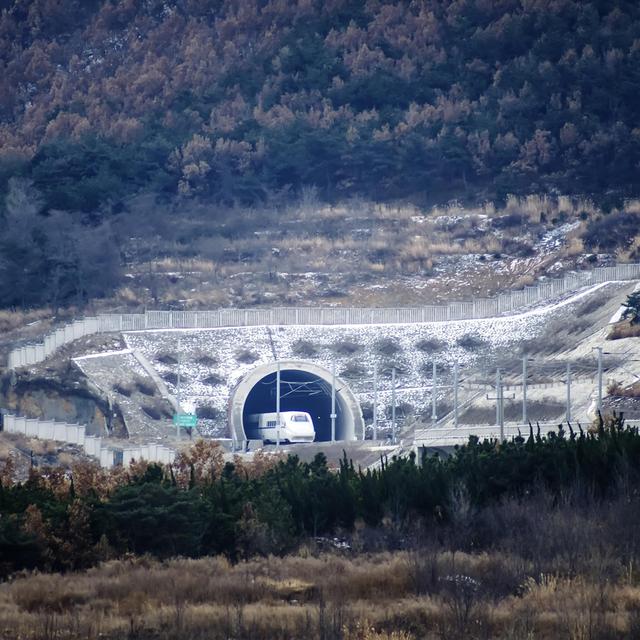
(615, 389)
(589, 307)
(346, 347)
(367, 411)
(623, 330)
(508, 221)
(123, 389)
(207, 412)
(171, 378)
(304, 349)
(612, 231)
(166, 358)
(429, 345)
(387, 367)
(246, 356)
(207, 360)
(470, 342)
(213, 380)
(405, 409)
(388, 347)
(518, 248)
(145, 387)
(156, 410)
(354, 370)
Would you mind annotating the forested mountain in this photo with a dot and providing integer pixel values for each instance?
(240, 101)
(121, 122)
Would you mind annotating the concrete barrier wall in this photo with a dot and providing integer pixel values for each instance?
(93, 445)
(504, 303)
(448, 437)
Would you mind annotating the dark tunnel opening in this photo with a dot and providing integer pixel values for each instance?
(299, 391)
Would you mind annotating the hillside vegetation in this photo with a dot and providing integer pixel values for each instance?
(238, 101)
(530, 538)
(203, 506)
(122, 123)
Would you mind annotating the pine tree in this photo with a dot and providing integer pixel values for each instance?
(632, 308)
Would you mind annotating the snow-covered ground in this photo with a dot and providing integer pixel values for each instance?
(213, 361)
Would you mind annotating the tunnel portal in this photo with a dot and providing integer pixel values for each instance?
(304, 386)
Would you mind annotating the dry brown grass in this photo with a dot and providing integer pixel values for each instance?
(13, 319)
(366, 597)
(622, 330)
(170, 264)
(575, 246)
(343, 248)
(615, 389)
(532, 206)
(631, 252)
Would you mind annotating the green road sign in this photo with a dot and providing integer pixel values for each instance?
(185, 420)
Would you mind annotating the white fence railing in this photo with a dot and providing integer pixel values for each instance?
(451, 436)
(95, 446)
(504, 303)
(448, 437)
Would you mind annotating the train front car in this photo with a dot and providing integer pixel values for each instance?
(299, 426)
(295, 427)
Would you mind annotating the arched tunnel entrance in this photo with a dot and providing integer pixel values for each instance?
(304, 386)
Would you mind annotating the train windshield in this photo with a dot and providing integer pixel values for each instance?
(300, 417)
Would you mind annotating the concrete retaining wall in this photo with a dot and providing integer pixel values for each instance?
(93, 445)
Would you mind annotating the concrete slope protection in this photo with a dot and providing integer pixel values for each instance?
(215, 361)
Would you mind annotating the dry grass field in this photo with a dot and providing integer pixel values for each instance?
(399, 596)
(355, 253)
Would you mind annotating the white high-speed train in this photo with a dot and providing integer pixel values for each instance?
(295, 426)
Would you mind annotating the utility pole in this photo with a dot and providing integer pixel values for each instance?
(278, 407)
(568, 392)
(333, 402)
(393, 405)
(501, 405)
(498, 389)
(178, 398)
(375, 401)
(455, 393)
(525, 361)
(434, 412)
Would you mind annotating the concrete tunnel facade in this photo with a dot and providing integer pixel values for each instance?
(305, 386)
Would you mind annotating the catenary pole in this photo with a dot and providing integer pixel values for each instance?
(393, 405)
(455, 393)
(525, 359)
(178, 394)
(434, 386)
(497, 396)
(375, 401)
(333, 402)
(278, 406)
(599, 350)
(501, 405)
(568, 392)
